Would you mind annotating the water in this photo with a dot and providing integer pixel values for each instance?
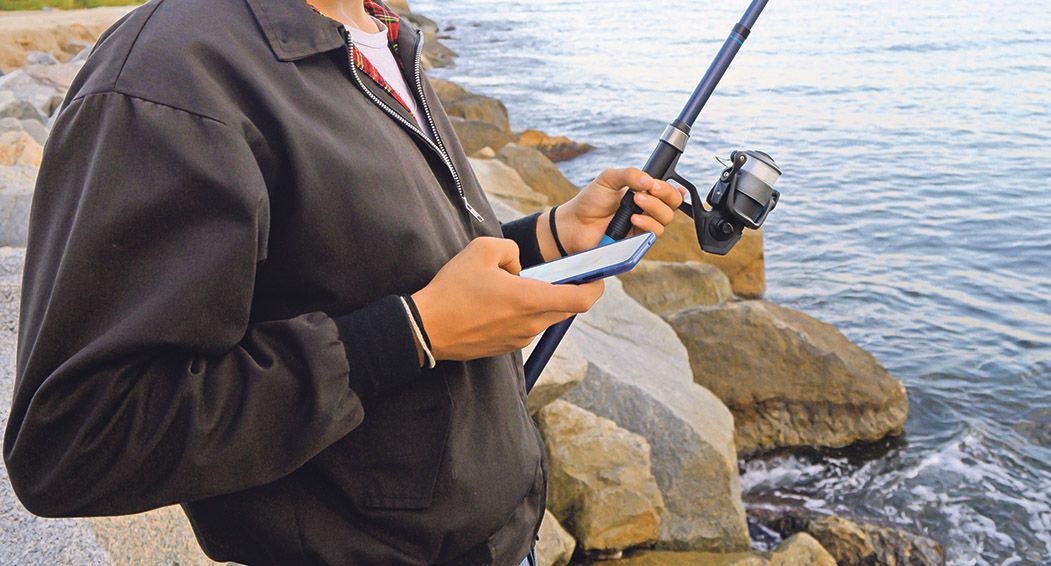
(916, 215)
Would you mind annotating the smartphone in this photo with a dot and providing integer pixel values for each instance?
(605, 261)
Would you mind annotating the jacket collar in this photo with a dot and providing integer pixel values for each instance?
(294, 30)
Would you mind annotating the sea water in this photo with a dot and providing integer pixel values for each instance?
(915, 139)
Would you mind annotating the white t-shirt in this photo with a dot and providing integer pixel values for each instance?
(374, 47)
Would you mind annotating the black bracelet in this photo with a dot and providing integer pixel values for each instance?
(419, 321)
(554, 232)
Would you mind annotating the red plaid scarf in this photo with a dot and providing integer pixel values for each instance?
(393, 22)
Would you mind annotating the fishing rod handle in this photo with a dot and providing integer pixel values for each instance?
(660, 165)
(543, 351)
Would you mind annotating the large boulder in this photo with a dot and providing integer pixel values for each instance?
(20, 148)
(501, 182)
(600, 485)
(16, 196)
(556, 148)
(12, 106)
(448, 91)
(482, 109)
(554, 545)
(539, 172)
(668, 287)
(25, 87)
(566, 369)
(436, 55)
(789, 379)
(34, 128)
(855, 544)
(639, 377)
(799, 550)
(744, 265)
(475, 135)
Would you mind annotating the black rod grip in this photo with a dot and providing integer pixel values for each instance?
(660, 165)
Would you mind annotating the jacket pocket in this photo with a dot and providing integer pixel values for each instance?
(392, 460)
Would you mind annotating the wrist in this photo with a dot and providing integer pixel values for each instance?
(544, 238)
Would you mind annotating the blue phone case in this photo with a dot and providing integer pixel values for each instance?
(648, 239)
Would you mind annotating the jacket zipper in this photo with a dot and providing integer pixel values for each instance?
(439, 146)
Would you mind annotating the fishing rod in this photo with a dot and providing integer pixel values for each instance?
(742, 197)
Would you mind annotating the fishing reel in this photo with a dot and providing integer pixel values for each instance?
(742, 198)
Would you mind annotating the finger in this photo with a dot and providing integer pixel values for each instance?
(616, 179)
(647, 224)
(503, 252)
(546, 297)
(655, 208)
(669, 194)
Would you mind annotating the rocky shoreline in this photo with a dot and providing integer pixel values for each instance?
(680, 370)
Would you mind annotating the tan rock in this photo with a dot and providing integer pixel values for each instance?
(639, 376)
(744, 265)
(555, 545)
(566, 370)
(600, 486)
(19, 148)
(436, 55)
(850, 542)
(668, 287)
(789, 379)
(671, 558)
(480, 108)
(539, 172)
(801, 550)
(556, 148)
(399, 6)
(52, 31)
(484, 153)
(474, 135)
(501, 182)
(448, 91)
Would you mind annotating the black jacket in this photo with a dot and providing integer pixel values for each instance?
(225, 214)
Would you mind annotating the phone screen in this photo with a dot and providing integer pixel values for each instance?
(608, 260)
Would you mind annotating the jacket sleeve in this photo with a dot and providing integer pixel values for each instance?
(523, 232)
(141, 381)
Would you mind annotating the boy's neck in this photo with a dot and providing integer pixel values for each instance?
(349, 12)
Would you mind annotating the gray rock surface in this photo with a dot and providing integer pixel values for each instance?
(555, 545)
(16, 196)
(665, 287)
(500, 181)
(566, 369)
(790, 379)
(639, 377)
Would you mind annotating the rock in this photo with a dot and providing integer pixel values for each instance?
(501, 182)
(16, 196)
(13, 107)
(436, 55)
(555, 545)
(851, 543)
(482, 109)
(639, 377)
(503, 211)
(40, 58)
(539, 172)
(566, 369)
(36, 129)
(11, 261)
(789, 379)
(668, 287)
(801, 550)
(475, 135)
(20, 148)
(744, 265)
(58, 76)
(556, 148)
(600, 484)
(25, 87)
(58, 32)
(399, 6)
(448, 91)
(428, 26)
(162, 536)
(484, 153)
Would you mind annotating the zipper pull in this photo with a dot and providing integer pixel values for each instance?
(471, 209)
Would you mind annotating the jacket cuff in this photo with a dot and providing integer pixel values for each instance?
(380, 346)
(523, 232)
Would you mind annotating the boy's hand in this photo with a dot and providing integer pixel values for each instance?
(477, 305)
(582, 220)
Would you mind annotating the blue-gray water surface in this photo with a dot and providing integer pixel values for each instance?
(915, 141)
